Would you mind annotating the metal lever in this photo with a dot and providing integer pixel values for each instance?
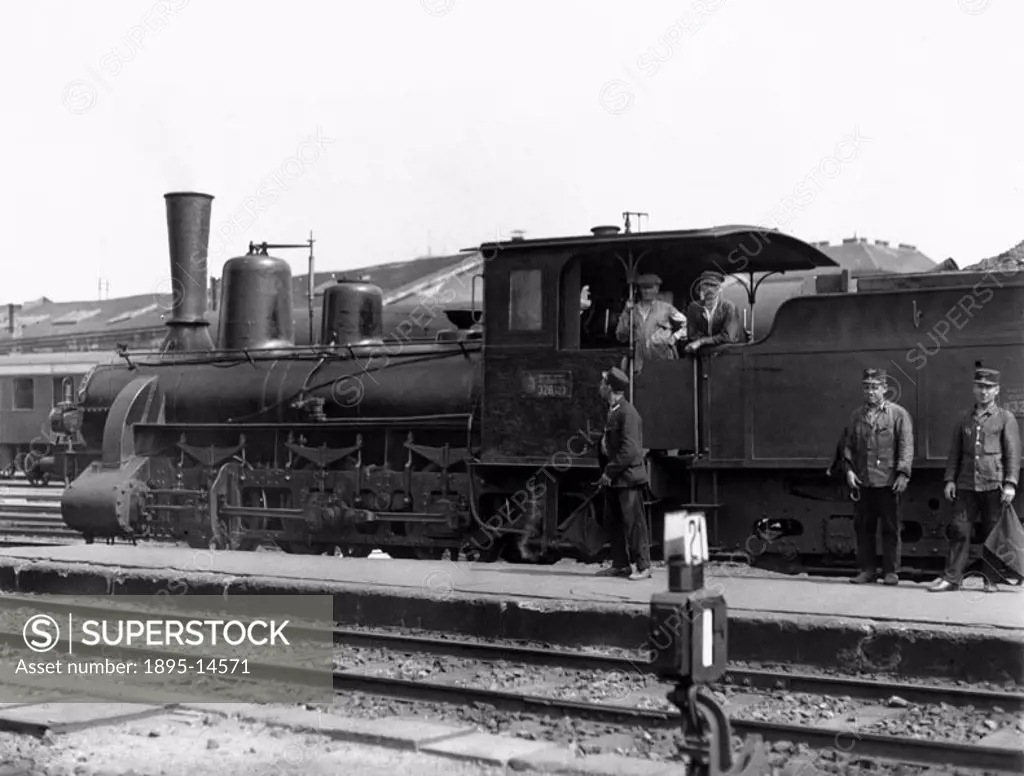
(706, 719)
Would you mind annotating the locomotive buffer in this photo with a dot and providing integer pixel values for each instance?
(688, 637)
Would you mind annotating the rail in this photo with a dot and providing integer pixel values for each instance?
(31, 516)
(902, 749)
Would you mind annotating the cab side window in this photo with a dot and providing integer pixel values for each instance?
(526, 303)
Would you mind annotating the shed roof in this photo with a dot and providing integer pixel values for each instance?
(862, 256)
(45, 318)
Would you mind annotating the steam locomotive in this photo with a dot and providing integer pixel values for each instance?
(486, 444)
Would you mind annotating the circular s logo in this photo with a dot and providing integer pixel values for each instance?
(41, 633)
(616, 97)
(893, 389)
(438, 585)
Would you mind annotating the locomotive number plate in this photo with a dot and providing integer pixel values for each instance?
(548, 385)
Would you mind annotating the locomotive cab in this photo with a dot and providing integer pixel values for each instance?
(559, 302)
(564, 299)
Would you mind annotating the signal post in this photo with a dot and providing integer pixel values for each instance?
(689, 626)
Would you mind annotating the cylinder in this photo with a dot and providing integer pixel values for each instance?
(353, 314)
(188, 235)
(255, 304)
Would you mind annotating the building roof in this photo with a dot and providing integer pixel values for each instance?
(449, 278)
(389, 277)
(862, 256)
(49, 319)
(45, 318)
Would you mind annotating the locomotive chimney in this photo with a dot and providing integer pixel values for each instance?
(188, 235)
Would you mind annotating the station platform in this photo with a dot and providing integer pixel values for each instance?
(823, 622)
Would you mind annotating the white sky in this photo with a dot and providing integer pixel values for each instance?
(451, 122)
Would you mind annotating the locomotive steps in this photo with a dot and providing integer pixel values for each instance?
(903, 632)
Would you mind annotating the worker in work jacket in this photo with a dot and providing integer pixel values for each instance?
(982, 472)
(878, 454)
(712, 320)
(657, 326)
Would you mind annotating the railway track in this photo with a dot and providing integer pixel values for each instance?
(766, 679)
(355, 684)
(31, 516)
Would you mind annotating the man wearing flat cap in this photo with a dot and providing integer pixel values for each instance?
(878, 451)
(712, 320)
(623, 477)
(657, 325)
(982, 471)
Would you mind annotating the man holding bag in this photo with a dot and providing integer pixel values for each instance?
(982, 472)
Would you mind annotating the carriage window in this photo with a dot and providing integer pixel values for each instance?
(525, 303)
(24, 394)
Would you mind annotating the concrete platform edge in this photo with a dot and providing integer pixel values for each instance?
(898, 649)
(546, 758)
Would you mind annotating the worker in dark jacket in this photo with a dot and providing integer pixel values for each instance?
(982, 471)
(712, 320)
(878, 453)
(624, 478)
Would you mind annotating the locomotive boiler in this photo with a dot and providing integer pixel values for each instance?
(358, 442)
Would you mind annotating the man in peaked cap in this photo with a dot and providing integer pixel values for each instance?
(712, 320)
(657, 325)
(982, 470)
(878, 452)
(624, 477)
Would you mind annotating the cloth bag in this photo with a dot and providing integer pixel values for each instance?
(1005, 544)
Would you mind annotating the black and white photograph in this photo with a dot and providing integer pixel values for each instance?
(473, 387)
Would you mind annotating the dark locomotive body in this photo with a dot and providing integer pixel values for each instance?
(767, 415)
(488, 447)
(746, 432)
(359, 442)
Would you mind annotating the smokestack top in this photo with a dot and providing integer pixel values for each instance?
(172, 194)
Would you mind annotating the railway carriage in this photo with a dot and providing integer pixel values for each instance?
(32, 386)
(483, 442)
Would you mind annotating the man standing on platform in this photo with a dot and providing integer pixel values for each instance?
(982, 471)
(624, 478)
(877, 454)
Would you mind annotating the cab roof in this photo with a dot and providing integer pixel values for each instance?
(739, 248)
